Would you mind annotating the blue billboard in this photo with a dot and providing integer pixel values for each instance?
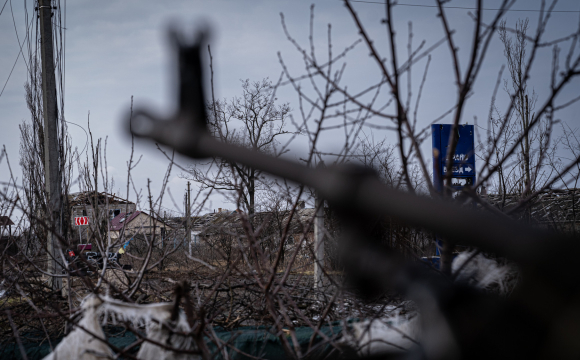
(463, 165)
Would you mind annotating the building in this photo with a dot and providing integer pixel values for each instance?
(224, 230)
(129, 224)
(5, 222)
(100, 208)
(7, 238)
(87, 203)
(558, 210)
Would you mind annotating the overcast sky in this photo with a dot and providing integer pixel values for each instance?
(115, 50)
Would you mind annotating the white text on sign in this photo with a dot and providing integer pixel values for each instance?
(467, 169)
(460, 157)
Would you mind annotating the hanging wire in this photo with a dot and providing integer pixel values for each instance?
(462, 7)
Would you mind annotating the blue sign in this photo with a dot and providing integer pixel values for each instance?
(463, 164)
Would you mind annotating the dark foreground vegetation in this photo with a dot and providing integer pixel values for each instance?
(317, 259)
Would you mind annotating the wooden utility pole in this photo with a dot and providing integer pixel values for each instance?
(318, 240)
(188, 216)
(52, 174)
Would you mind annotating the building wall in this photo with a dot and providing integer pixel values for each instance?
(106, 212)
(142, 224)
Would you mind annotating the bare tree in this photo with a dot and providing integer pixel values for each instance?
(535, 146)
(219, 285)
(32, 159)
(253, 120)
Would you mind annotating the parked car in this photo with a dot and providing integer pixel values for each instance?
(87, 263)
(113, 258)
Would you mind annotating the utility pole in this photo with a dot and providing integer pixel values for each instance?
(318, 240)
(52, 176)
(188, 216)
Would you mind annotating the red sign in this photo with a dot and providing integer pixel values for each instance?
(82, 220)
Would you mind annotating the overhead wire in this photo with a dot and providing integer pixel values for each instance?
(59, 44)
(9, 75)
(1, 11)
(18, 37)
(464, 7)
(86, 138)
(13, 66)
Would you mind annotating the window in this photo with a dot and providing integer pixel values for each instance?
(114, 213)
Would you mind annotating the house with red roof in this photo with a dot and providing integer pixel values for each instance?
(129, 224)
(99, 208)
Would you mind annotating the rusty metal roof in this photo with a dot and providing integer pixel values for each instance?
(88, 198)
(553, 206)
(231, 220)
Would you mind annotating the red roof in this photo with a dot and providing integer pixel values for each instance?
(123, 218)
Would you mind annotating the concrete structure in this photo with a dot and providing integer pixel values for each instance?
(100, 208)
(136, 223)
(558, 210)
(5, 222)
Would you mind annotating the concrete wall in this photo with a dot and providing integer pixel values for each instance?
(142, 224)
(89, 211)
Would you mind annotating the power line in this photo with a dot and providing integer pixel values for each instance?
(465, 8)
(86, 137)
(15, 62)
(1, 11)
(18, 37)
(9, 75)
